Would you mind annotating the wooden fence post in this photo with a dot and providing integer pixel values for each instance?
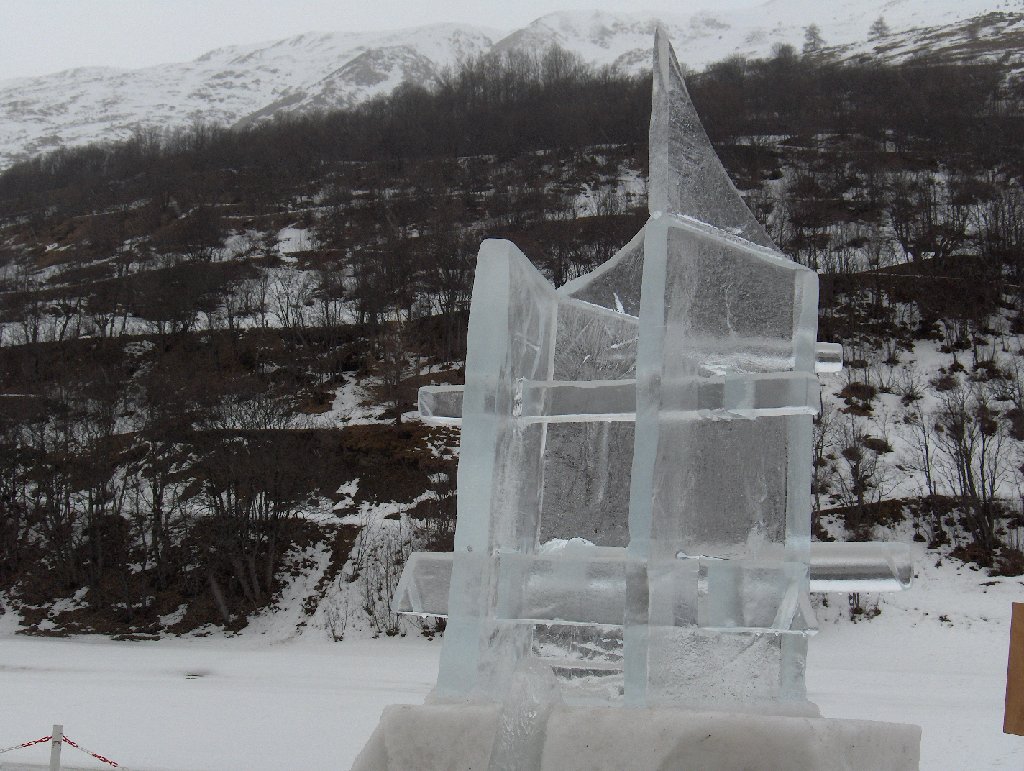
(56, 741)
(1013, 721)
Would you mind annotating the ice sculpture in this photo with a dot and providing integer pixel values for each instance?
(634, 475)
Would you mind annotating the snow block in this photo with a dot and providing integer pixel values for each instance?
(441, 737)
(588, 738)
(459, 738)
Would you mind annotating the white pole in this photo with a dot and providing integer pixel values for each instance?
(55, 744)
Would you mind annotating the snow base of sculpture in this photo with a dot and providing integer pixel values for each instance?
(457, 737)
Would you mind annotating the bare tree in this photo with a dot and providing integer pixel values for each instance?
(971, 439)
(823, 468)
(999, 223)
(925, 220)
(293, 299)
(394, 367)
(922, 442)
(862, 476)
(379, 554)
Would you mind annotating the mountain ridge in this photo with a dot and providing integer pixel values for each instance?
(241, 84)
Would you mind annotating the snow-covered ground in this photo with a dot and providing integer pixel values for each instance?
(934, 656)
(206, 703)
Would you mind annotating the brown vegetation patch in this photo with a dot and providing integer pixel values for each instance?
(876, 444)
(860, 519)
(1009, 562)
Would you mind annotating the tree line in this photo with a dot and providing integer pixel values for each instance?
(505, 104)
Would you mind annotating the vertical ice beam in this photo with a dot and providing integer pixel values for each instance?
(511, 339)
(636, 629)
(735, 490)
(686, 176)
(799, 460)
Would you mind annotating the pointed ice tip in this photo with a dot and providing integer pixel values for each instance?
(686, 176)
(664, 54)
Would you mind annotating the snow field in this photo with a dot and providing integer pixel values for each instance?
(935, 656)
(207, 703)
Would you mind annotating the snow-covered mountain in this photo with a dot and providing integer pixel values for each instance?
(243, 83)
(223, 86)
(624, 40)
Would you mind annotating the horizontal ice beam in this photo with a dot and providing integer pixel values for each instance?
(860, 567)
(441, 405)
(828, 358)
(722, 595)
(745, 396)
(604, 400)
(525, 580)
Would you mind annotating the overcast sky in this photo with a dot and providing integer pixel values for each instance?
(42, 36)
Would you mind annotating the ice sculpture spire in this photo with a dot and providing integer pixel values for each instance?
(686, 176)
(686, 179)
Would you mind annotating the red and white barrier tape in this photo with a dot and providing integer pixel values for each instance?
(67, 741)
(90, 752)
(25, 744)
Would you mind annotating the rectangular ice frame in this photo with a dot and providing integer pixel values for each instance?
(713, 303)
(523, 332)
(735, 374)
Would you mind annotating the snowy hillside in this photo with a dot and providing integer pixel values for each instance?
(335, 69)
(624, 40)
(267, 392)
(224, 85)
